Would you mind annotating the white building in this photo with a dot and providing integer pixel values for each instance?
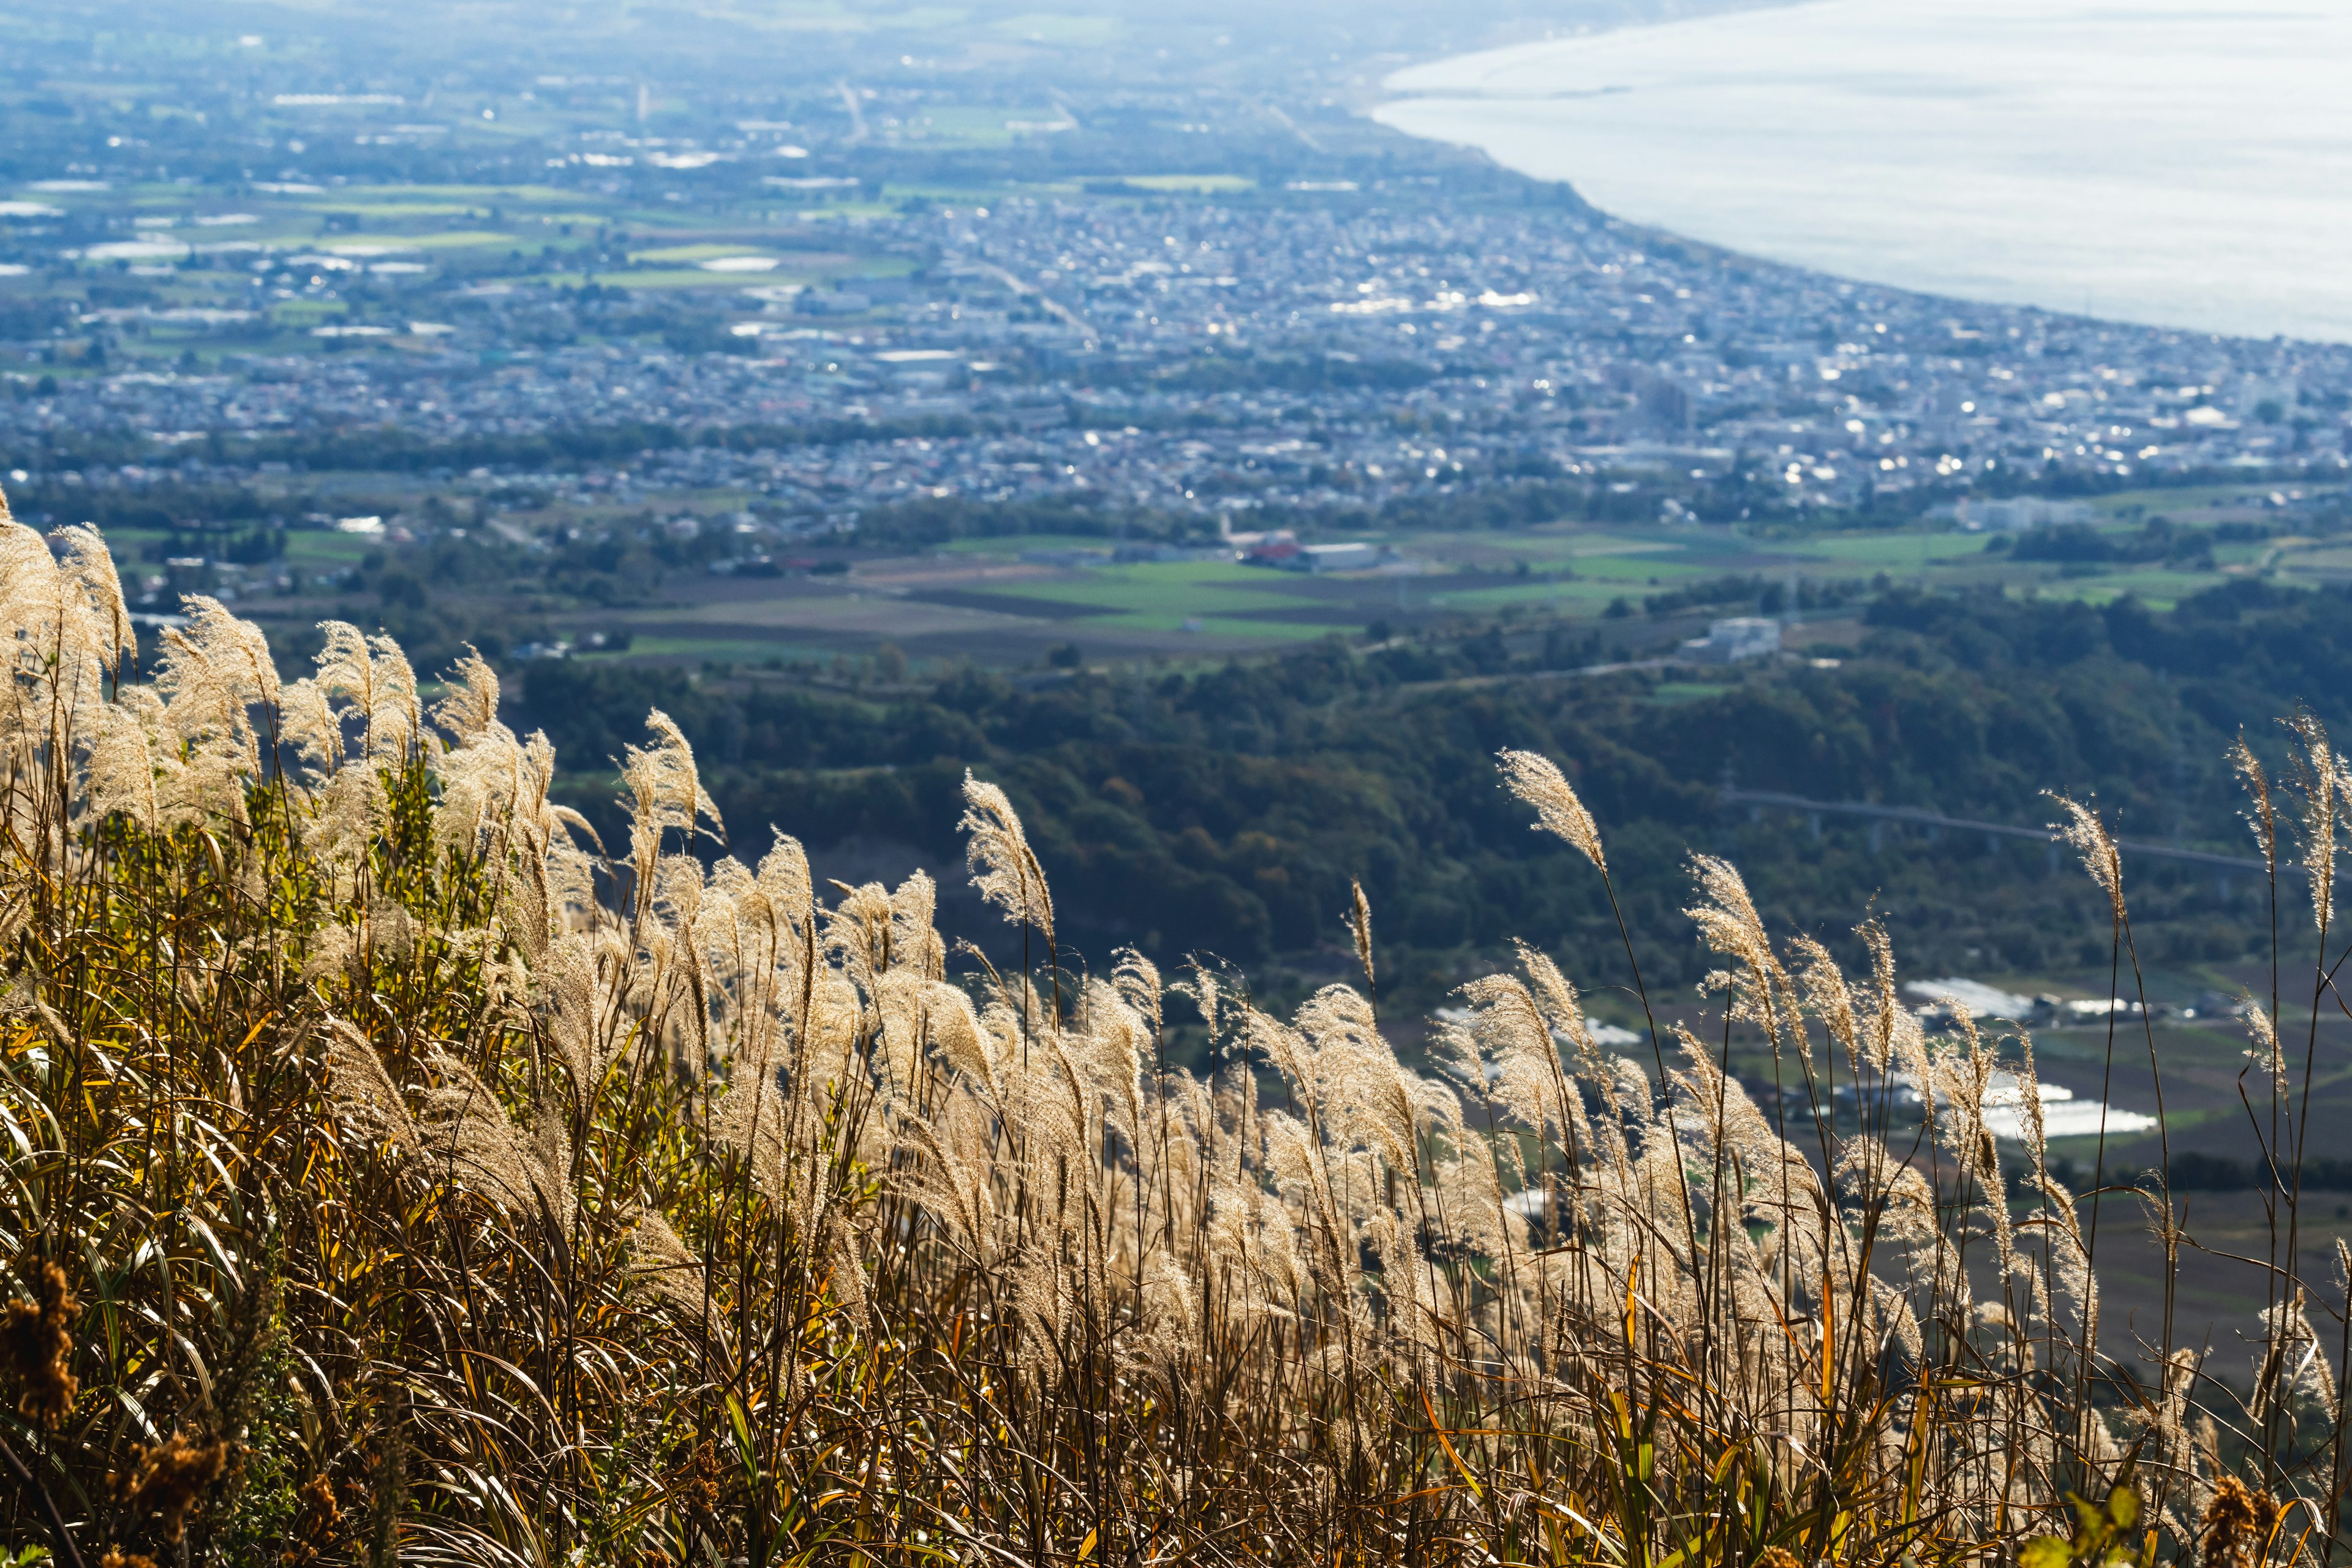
(2020, 512)
(1357, 556)
(1741, 636)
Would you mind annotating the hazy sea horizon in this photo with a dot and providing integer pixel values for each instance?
(2177, 162)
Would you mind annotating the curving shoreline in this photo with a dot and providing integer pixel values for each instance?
(2148, 161)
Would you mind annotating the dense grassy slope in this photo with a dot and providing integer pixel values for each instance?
(392, 1176)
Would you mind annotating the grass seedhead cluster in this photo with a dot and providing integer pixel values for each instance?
(397, 1172)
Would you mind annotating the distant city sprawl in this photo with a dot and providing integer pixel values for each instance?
(1293, 350)
(823, 299)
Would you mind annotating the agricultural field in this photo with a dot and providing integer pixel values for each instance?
(1039, 592)
(1612, 591)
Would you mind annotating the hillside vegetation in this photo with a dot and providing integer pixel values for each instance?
(397, 1171)
(1250, 796)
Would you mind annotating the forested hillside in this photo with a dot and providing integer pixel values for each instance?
(1232, 808)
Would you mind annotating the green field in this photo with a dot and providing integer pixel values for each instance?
(1907, 552)
(1170, 590)
(472, 196)
(1575, 574)
(1569, 596)
(1014, 544)
(2183, 504)
(1219, 630)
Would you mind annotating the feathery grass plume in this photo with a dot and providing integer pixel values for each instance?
(493, 801)
(346, 814)
(364, 1089)
(1562, 1013)
(1725, 1128)
(845, 1279)
(1359, 917)
(212, 671)
(951, 1159)
(1761, 989)
(1363, 1096)
(1831, 1000)
(2169, 1443)
(38, 1337)
(753, 1119)
(89, 565)
(308, 723)
(584, 1019)
(782, 882)
(2027, 1087)
(665, 794)
(915, 941)
(2317, 776)
(957, 1035)
(237, 650)
(2088, 836)
(2265, 1052)
(1003, 868)
(1170, 1313)
(1505, 1053)
(552, 882)
(901, 1006)
(465, 1128)
(664, 786)
(471, 707)
(1885, 1003)
(662, 1262)
(374, 675)
(2263, 815)
(118, 767)
(1138, 979)
(857, 931)
(28, 577)
(1298, 1163)
(1207, 997)
(1539, 781)
(1965, 1072)
(1116, 1042)
(2293, 1363)
(65, 642)
(235, 673)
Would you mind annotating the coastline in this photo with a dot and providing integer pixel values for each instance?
(2003, 153)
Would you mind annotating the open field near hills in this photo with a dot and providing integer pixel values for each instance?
(1009, 600)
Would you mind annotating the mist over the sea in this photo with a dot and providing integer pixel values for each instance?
(2183, 162)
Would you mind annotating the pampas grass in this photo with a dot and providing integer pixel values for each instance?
(394, 1176)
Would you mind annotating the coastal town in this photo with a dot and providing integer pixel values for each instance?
(1225, 352)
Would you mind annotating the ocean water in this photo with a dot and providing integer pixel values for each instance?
(2183, 163)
